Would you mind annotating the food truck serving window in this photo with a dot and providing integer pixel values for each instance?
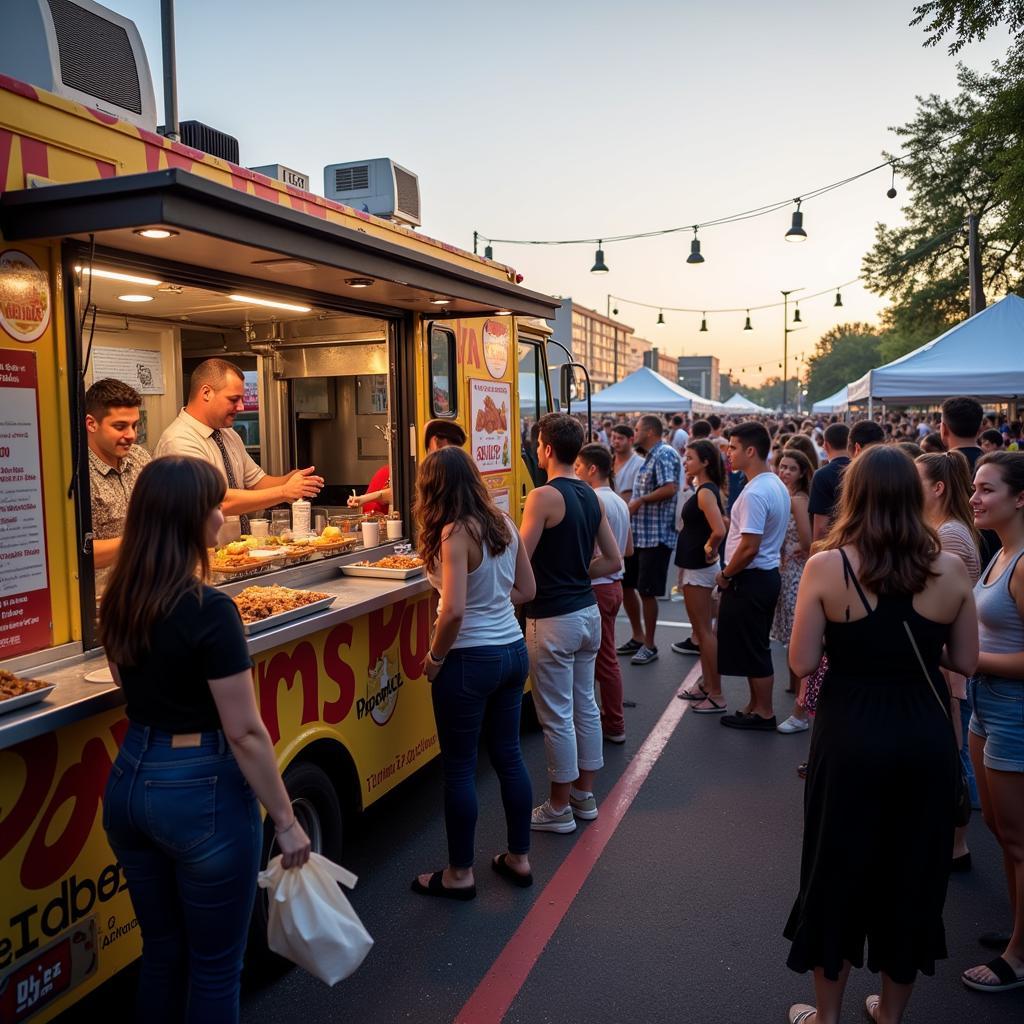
(443, 390)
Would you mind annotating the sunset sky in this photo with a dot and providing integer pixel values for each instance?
(573, 119)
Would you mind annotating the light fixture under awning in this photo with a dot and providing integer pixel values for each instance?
(227, 231)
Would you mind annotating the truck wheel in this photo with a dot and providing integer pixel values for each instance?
(318, 810)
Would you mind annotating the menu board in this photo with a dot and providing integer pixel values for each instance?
(490, 405)
(25, 621)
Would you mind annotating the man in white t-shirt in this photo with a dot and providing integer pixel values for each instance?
(593, 466)
(750, 581)
(679, 437)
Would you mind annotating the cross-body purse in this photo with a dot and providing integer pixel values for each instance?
(961, 793)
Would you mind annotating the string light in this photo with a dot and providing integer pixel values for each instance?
(891, 191)
(599, 267)
(661, 319)
(839, 299)
(796, 314)
(695, 256)
(703, 323)
(747, 326)
(796, 231)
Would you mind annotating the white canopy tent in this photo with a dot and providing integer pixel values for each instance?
(738, 403)
(834, 403)
(646, 391)
(982, 357)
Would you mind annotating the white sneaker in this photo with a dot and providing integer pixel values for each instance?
(794, 724)
(546, 819)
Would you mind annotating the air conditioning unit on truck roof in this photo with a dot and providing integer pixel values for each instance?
(380, 187)
(81, 51)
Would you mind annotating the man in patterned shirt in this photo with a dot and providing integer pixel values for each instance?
(115, 461)
(653, 517)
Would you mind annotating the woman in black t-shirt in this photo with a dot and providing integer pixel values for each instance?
(697, 555)
(180, 808)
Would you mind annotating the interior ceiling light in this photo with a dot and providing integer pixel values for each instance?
(440, 300)
(503, 312)
(599, 267)
(359, 282)
(114, 275)
(155, 232)
(135, 298)
(270, 303)
(796, 231)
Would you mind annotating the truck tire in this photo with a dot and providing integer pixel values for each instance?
(318, 810)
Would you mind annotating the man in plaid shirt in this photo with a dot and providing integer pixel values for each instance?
(653, 518)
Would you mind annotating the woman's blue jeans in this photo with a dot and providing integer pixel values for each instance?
(186, 829)
(479, 690)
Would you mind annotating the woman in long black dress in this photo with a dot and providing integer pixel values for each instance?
(879, 802)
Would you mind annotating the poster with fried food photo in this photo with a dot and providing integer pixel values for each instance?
(490, 409)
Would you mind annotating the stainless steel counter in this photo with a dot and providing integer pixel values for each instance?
(75, 699)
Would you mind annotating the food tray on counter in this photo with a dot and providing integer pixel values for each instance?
(264, 563)
(271, 621)
(377, 572)
(24, 699)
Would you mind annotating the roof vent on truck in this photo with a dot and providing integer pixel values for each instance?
(206, 139)
(380, 187)
(82, 51)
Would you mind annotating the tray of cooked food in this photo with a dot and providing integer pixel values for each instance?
(239, 559)
(393, 567)
(16, 693)
(333, 541)
(264, 608)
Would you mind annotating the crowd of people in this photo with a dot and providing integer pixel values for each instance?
(886, 556)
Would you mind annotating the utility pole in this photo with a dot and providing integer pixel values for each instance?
(786, 329)
(974, 265)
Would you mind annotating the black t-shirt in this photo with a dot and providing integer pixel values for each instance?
(198, 641)
(971, 453)
(825, 488)
(696, 531)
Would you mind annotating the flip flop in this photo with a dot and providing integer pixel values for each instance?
(436, 887)
(501, 866)
(871, 1005)
(715, 709)
(1008, 978)
(701, 694)
(801, 1013)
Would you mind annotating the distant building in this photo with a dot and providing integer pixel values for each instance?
(597, 341)
(639, 351)
(660, 363)
(700, 374)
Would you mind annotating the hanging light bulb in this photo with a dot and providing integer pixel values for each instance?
(695, 256)
(796, 314)
(488, 253)
(703, 323)
(661, 319)
(839, 299)
(599, 267)
(891, 191)
(747, 326)
(796, 231)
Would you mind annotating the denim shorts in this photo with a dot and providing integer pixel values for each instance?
(999, 719)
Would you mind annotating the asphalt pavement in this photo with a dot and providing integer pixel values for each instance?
(679, 918)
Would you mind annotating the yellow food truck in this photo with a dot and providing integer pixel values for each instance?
(124, 254)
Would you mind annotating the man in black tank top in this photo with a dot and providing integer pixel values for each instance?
(562, 520)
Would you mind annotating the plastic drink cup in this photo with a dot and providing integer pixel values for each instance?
(371, 534)
(259, 527)
(394, 528)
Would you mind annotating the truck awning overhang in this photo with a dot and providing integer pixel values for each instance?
(227, 231)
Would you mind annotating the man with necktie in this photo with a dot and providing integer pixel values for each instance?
(203, 430)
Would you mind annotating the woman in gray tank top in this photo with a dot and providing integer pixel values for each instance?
(997, 724)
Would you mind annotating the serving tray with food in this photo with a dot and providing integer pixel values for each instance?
(264, 608)
(16, 693)
(392, 567)
(334, 540)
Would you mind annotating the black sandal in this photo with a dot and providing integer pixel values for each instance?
(436, 887)
(1006, 978)
(503, 868)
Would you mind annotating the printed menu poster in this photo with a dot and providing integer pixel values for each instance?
(24, 587)
(139, 367)
(490, 405)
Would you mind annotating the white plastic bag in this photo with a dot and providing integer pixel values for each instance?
(311, 921)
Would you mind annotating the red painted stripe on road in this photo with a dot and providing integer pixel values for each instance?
(501, 984)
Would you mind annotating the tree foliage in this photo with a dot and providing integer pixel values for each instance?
(968, 20)
(769, 393)
(964, 155)
(843, 354)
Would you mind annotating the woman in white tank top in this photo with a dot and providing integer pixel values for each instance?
(476, 662)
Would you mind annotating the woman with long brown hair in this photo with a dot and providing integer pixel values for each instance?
(880, 798)
(946, 480)
(476, 662)
(180, 808)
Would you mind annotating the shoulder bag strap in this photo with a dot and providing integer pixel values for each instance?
(924, 669)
